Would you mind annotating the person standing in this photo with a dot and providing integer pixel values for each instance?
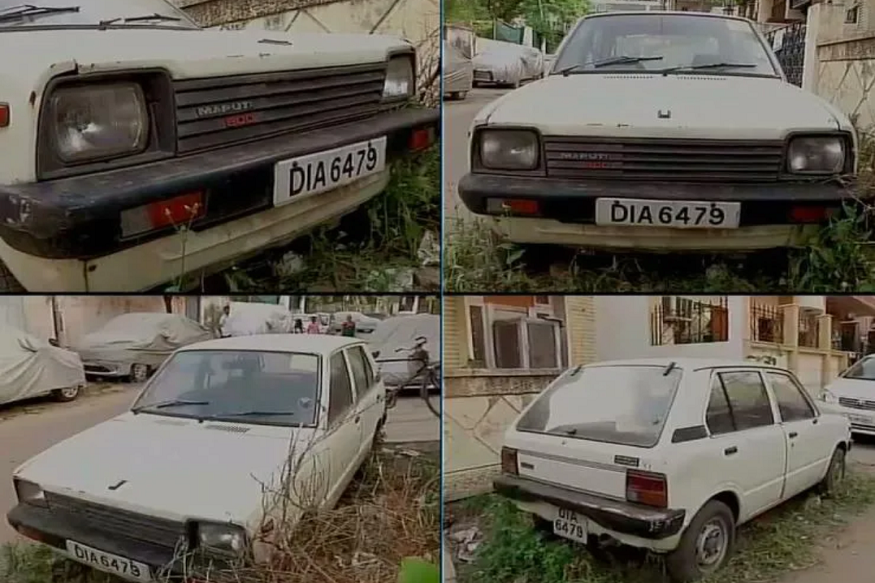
(313, 326)
(348, 327)
(299, 326)
(223, 320)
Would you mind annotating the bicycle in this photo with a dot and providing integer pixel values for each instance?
(419, 365)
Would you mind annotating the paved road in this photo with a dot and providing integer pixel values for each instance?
(30, 428)
(458, 116)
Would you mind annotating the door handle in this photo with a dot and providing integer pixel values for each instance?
(814, 421)
(358, 418)
(792, 434)
(730, 450)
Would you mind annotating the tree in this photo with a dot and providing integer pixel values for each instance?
(470, 10)
(551, 18)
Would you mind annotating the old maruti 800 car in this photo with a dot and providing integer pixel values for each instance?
(230, 442)
(123, 122)
(660, 131)
(670, 456)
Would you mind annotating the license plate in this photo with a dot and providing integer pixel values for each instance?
(860, 419)
(124, 568)
(676, 214)
(570, 525)
(327, 170)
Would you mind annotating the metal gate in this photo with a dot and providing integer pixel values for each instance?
(789, 45)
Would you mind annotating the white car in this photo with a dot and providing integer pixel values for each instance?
(230, 441)
(660, 131)
(853, 394)
(667, 455)
(139, 147)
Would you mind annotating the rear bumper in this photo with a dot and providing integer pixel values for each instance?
(622, 517)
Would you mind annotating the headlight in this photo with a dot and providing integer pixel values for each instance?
(817, 155)
(399, 78)
(509, 149)
(224, 538)
(99, 121)
(828, 397)
(29, 493)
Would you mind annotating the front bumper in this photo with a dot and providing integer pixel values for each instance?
(71, 228)
(566, 212)
(106, 369)
(622, 517)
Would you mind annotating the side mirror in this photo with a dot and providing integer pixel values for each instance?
(376, 354)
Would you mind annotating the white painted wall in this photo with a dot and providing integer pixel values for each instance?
(623, 331)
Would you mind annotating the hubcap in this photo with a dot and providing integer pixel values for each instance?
(711, 544)
(71, 392)
(139, 372)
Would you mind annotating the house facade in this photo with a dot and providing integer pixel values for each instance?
(498, 353)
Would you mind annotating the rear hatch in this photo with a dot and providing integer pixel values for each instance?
(594, 430)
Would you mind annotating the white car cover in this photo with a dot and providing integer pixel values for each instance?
(401, 332)
(140, 338)
(248, 318)
(30, 367)
(508, 63)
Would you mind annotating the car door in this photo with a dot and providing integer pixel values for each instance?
(808, 450)
(343, 433)
(749, 445)
(367, 405)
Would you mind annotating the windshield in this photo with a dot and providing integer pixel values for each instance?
(863, 370)
(627, 405)
(664, 42)
(274, 388)
(79, 13)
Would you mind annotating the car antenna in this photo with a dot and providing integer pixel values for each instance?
(669, 368)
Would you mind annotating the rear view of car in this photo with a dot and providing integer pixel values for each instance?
(30, 367)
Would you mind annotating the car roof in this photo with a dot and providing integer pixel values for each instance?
(665, 13)
(687, 363)
(309, 343)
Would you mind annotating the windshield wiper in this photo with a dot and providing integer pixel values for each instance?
(706, 66)
(168, 404)
(621, 60)
(252, 414)
(20, 12)
(154, 16)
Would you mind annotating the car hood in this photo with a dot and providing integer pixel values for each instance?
(168, 467)
(852, 388)
(630, 104)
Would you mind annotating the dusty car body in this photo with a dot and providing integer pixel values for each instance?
(505, 64)
(30, 367)
(669, 455)
(134, 345)
(690, 140)
(294, 418)
(143, 147)
(457, 63)
(852, 394)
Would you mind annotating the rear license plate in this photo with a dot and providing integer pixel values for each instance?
(570, 525)
(327, 170)
(124, 568)
(860, 419)
(676, 214)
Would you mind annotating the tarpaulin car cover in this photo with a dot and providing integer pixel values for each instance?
(248, 318)
(458, 59)
(401, 332)
(140, 338)
(508, 64)
(31, 367)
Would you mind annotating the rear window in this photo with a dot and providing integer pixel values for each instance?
(625, 405)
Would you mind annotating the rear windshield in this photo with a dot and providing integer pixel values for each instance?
(616, 404)
(863, 370)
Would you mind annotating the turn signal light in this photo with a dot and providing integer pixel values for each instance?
(421, 139)
(512, 206)
(810, 214)
(4, 115)
(648, 488)
(509, 461)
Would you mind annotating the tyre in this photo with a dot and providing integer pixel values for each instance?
(705, 546)
(139, 373)
(544, 527)
(461, 95)
(835, 474)
(66, 395)
(454, 96)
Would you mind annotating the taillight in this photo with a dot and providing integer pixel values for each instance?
(508, 461)
(647, 488)
(178, 211)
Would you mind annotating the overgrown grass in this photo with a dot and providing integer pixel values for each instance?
(370, 250)
(783, 540)
(390, 514)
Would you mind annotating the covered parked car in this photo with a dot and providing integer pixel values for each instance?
(226, 446)
(853, 395)
(129, 122)
(457, 64)
(661, 131)
(364, 324)
(669, 455)
(30, 367)
(247, 318)
(134, 345)
(392, 342)
(506, 64)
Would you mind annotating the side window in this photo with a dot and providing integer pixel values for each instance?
(719, 416)
(340, 397)
(357, 361)
(791, 402)
(748, 399)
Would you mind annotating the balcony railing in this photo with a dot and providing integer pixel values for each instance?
(678, 320)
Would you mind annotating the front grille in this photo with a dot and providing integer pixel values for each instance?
(662, 159)
(857, 403)
(96, 368)
(130, 525)
(216, 112)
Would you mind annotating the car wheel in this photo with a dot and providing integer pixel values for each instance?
(66, 395)
(544, 527)
(835, 474)
(461, 95)
(139, 373)
(705, 545)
